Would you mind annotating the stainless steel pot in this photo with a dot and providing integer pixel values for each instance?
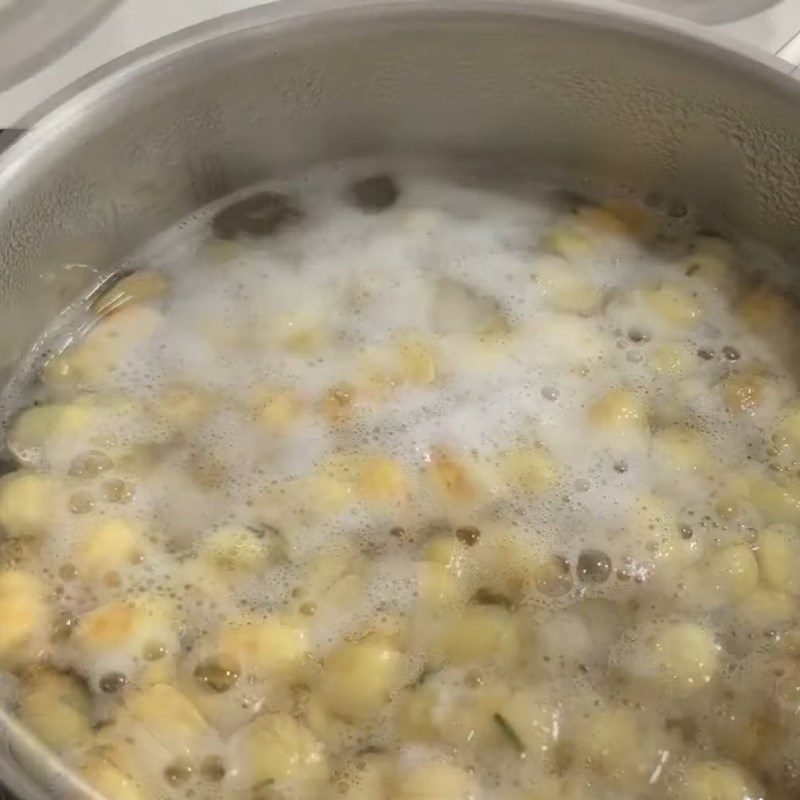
(176, 124)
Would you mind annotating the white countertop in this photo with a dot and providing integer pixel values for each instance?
(135, 22)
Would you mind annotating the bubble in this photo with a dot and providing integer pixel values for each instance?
(117, 491)
(90, 464)
(112, 682)
(212, 768)
(178, 773)
(493, 399)
(217, 675)
(154, 651)
(638, 336)
(553, 577)
(81, 502)
(731, 353)
(594, 566)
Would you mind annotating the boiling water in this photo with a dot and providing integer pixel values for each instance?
(415, 483)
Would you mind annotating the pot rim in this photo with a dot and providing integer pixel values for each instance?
(645, 22)
(64, 111)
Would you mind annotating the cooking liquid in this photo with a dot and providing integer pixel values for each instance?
(496, 473)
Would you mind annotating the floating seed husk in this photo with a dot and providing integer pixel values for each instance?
(262, 214)
(373, 194)
(136, 287)
(279, 547)
(423, 676)
(371, 749)
(509, 733)
(488, 597)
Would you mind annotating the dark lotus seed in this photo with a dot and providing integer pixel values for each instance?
(374, 194)
(261, 214)
(706, 355)
(686, 532)
(731, 353)
(112, 682)
(216, 676)
(397, 532)
(621, 467)
(594, 566)
(212, 768)
(469, 535)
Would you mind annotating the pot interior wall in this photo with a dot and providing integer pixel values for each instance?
(586, 93)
